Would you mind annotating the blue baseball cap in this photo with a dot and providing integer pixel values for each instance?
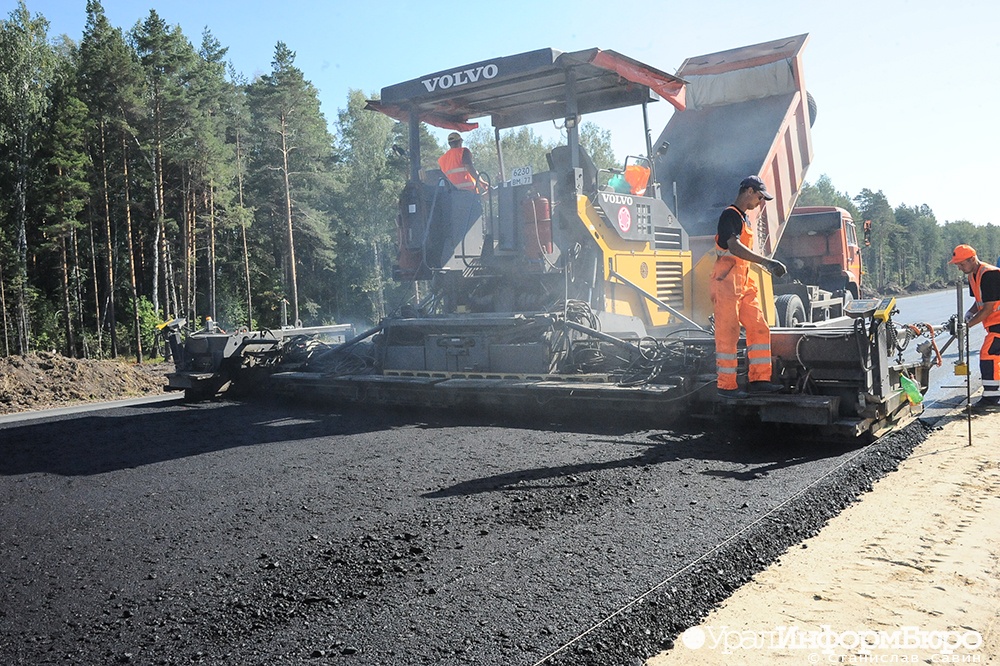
(756, 183)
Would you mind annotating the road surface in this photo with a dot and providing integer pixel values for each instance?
(253, 533)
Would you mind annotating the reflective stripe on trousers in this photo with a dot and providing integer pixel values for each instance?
(989, 363)
(760, 354)
(725, 364)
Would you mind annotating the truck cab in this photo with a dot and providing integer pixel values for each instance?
(819, 245)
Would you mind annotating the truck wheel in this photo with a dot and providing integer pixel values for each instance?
(790, 310)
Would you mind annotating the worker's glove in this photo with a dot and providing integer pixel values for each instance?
(775, 267)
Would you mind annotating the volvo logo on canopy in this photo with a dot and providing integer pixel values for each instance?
(460, 77)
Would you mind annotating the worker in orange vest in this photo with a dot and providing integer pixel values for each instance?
(984, 285)
(734, 295)
(457, 165)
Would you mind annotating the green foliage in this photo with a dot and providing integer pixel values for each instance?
(822, 193)
(887, 237)
(370, 176)
(149, 319)
(521, 147)
(27, 66)
(47, 332)
(138, 175)
(289, 178)
(916, 257)
(597, 143)
(64, 188)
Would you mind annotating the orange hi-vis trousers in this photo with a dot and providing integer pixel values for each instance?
(735, 299)
(989, 362)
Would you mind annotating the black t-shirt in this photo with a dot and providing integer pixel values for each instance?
(730, 224)
(990, 286)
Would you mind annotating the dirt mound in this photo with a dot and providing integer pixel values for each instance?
(44, 380)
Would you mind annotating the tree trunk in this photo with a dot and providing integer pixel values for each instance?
(243, 231)
(193, 252)
(157, 258)
(158, 204)
(170, 281)
(157, 261)
(380, 299)
(97, 292)
(3, 309)
(246, 276)
(82, 350)
(185, 292)
(21, 211)
(67, 309)
(136, 325)
(288, 217)
(108, 247)
(211, 252)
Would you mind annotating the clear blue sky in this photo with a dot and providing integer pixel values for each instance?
(907, 94)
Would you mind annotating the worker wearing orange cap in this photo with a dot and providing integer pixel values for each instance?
(457, 165)
(734, 295)
(984, 285)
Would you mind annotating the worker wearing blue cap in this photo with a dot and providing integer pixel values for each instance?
(735, 299)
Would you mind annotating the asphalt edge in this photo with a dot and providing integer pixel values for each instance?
(652, 623)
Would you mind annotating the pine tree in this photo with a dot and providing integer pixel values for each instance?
(167, 60)
(66, 190)
(886, 234)
(292, 151)
(238, 122)
(215, 156)
(110, 82)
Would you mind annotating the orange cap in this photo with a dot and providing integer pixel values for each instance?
(961, 253)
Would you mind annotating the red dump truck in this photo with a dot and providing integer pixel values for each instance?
(748, 112)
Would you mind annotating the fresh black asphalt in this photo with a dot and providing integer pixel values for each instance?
(254, 533)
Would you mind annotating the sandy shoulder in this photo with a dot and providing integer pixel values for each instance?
(919, 554)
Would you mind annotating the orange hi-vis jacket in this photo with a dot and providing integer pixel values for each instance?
(989, 353)
(454, 169)
(746, 238)
(735, 300)
(975, 283)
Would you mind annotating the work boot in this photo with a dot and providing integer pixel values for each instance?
(986, 406)
(733, 394)
(765, 387)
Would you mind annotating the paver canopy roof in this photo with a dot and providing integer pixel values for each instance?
(529, 88)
